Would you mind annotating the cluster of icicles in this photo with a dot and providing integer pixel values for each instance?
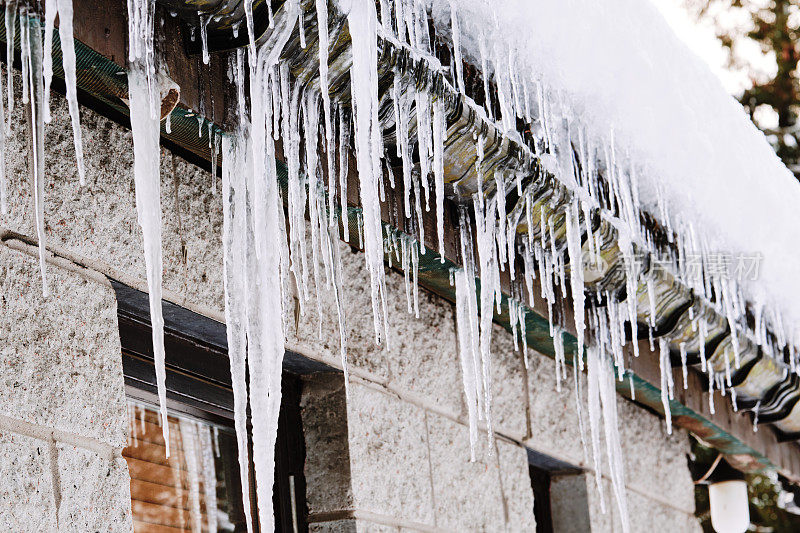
(37, 74)
(266, 261)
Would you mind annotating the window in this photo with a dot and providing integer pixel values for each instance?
(198, 486)
(560, 501)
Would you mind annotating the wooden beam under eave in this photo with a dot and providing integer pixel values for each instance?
(103, 26)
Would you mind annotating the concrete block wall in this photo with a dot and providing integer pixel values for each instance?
(62, 415)
(391, 454)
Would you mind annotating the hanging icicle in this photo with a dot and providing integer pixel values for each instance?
(362, 20)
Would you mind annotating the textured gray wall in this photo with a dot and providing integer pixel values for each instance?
(62, 414)
(393, 455)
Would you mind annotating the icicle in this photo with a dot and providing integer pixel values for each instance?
(11, 30)
(711, 392)
(608, 398)
(415, 272)
(457, 48)
(424, 143)
(360, 225)
(579, 409)
(468, 352)
(50, 12)
(209, 477)
(25, 51)
(142, 413)
(234, 241)
(204, 20)
(344, 147)
(502, 233)
(140, 49)
(576, 277)
(30, 39)
(310, 125)
(362, 21)
(401, 129)
(558, 348)
(755, 416)
(168, 124)
(296, 195)
(332, 246)
(266, 262)
(189, 436)
(322, 30)
(439, 131)
(468, 257)
(512, 319)
(487, 257)
(666, 378)
(683, 366)
(146, 153)
(406, 265)
(418, 206)
(214, 153)
(593, 403)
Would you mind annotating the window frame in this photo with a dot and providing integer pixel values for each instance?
(198, 385)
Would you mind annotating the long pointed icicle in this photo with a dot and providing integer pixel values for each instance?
(594, 409)
(234, 241)
(31, 40)
(467, 342)
(576, 276)
(322, 29)
(439, 130)
(362, 21)
(145, 127)
(266, 265)
(608, 398)
(146, 152)
(666, 380)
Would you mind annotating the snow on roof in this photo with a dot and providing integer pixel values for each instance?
(617, 69)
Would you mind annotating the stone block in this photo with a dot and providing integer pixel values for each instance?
(553, 413)
(467, 495)
(327, 468)
(94, 491)
(61, 364)
(515, 486)
(27, 502)
(569, 504)
(337, 526)
(508, 384)
(389, 456)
